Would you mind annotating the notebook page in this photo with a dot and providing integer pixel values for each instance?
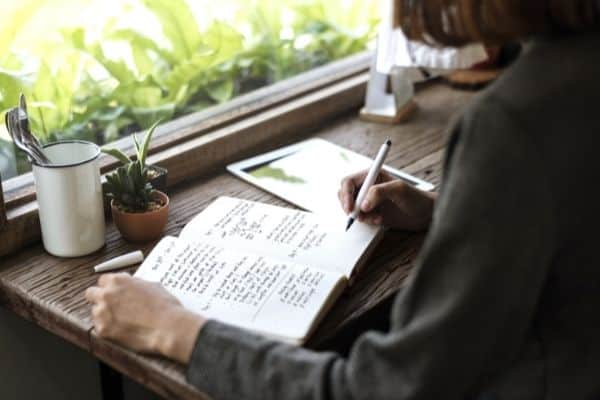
(286, 234)
(241, 289)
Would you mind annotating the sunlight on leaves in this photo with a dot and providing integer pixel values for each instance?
(124, 63)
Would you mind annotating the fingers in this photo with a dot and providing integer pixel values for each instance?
(351, 184)
(348, 190)
(104, 299)
(125, 309)
(384, 177)
(100, 310)
(378, 194)
(93, 294)
(112, 279)
(106, 283)
(102, 319)
(371, 218)
(97, 294)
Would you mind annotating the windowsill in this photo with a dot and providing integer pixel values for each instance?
(198, 144)
(20, 190)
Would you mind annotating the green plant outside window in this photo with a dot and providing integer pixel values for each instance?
(100, 69)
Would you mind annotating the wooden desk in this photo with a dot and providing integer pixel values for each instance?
(49, 291)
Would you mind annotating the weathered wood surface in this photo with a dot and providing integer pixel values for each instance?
(49, 291)
(2, 206)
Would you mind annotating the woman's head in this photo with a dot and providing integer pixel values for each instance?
(458, 22)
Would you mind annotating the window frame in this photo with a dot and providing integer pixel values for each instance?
(20, 190)
(262, 119)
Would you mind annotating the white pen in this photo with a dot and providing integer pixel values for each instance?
(123, 261)
(369, 180)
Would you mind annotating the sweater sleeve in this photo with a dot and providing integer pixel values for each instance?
(465, 310)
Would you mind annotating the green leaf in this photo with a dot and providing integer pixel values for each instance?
(186, 71)
(75, 37)
(130, 171)
(142, 42)
(142, 60)
(146, 144)
(43, 103)
(15, 22)
(145, 101)
(136, 144)
(10, 87)
(128, 186)
(118, 154)
(139, 93)
(178, 25)
(266, 19)
(113, 180)
(117, 68)
(224, 40)
(147, 96)
(221, 91)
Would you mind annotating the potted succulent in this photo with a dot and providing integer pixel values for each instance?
(139, 211)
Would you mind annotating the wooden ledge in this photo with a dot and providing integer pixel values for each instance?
(2, 207)
(205, 154)
(20, 189)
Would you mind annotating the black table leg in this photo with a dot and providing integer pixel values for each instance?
(111, 382)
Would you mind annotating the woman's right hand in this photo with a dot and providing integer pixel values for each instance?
(390, 202)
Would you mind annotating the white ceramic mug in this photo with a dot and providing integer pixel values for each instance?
(69, 195)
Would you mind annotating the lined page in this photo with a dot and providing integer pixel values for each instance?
(239, 288)
(286, 234)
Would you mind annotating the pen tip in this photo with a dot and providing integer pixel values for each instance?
(350, 222)
(389, 142)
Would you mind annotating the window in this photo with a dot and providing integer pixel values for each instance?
(100, 70)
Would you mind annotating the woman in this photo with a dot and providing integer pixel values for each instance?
(504, 300)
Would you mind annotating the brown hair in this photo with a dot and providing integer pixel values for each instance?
(458, 22)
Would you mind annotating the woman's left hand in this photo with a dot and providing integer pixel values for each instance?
(143, 316)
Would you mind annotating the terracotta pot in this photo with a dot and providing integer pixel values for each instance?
(142, 227)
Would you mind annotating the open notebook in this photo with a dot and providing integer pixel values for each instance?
(255, 265)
